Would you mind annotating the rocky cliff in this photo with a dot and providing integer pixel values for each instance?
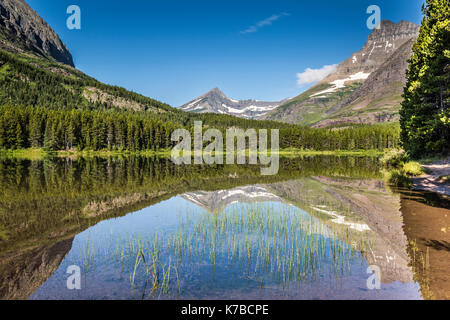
(380, 45)
(23, 30)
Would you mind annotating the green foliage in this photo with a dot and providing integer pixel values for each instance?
(401, 170)
(413, 168)
(376, 137)
(425, 113)
(397, 178)
(394, 158)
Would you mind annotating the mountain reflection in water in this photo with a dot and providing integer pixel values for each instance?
(144, 228)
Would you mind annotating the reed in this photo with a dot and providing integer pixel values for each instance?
(266, 244)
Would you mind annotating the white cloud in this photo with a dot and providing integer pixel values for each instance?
(314, 75)
(266, 22)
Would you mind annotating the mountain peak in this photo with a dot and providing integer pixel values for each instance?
(380, 45)
(23, 30)
(391, 31)
(215, 90)
(215, 101)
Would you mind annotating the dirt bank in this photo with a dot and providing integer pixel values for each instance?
(433, 180)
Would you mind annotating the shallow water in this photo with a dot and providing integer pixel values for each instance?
(141, 228)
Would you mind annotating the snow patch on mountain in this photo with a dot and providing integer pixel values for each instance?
(339, 84)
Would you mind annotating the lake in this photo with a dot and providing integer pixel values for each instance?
(325, 227)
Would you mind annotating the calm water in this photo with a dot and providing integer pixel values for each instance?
(142, 228)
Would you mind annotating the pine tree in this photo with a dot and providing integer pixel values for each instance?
(35, 131)
(3, 143)
(19, 136)
(425, 114)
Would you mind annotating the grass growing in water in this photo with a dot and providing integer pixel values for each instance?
(397, 178)
(264, 245)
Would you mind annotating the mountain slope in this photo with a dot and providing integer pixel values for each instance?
(379, 98)
(32, 81)
(215, 101)
(23, 30)
(365, 88)
(36, 69)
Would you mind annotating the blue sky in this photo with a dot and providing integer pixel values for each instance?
(176, 50)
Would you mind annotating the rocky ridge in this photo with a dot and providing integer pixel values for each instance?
(23, 30)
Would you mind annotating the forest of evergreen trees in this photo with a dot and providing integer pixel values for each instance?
(28, 127)
(425, 113)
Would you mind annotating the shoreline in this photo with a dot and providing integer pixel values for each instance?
(436, 179)
(37, 154)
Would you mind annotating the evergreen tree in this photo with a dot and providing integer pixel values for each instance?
(425, 114)
(19, 143)
(35, 126)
